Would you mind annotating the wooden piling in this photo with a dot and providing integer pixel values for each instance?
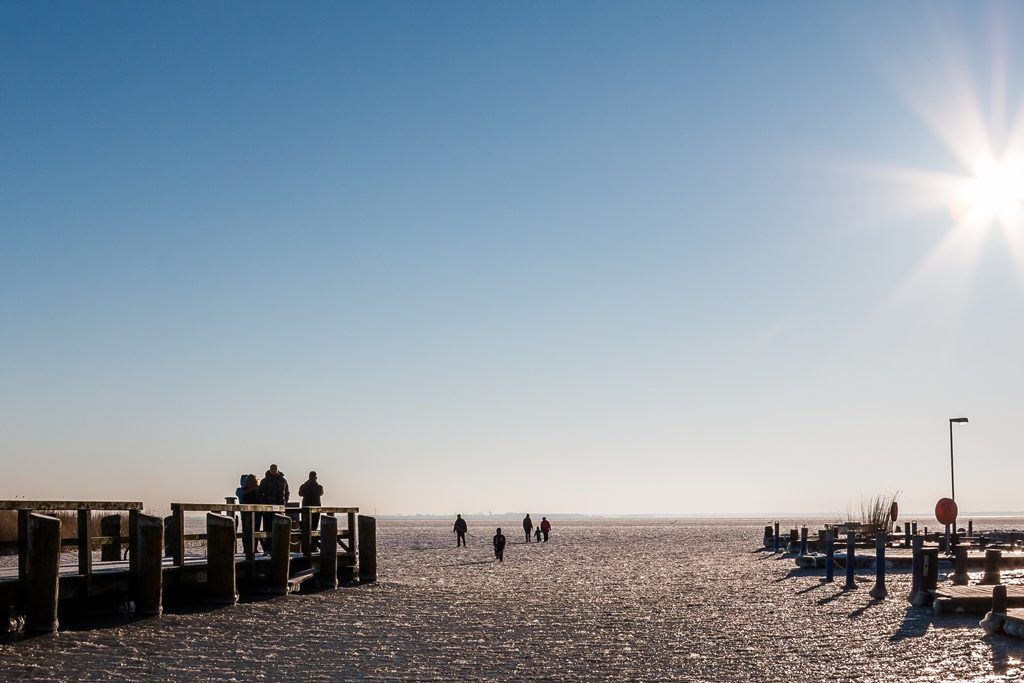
(794, 541)
(110, 526)
(84, 545)
(970, 527)
(327, 577)
(42, 579)
(777, 538)
(906, 534)
(149, 568)
(803, 541)
(851, 545)
(879, 592)
(822, 540)
(927, 579)
(367, 548)
(220, 559)
(960, 577)
(768, 536)
(178, 546)
(996, 618)
(306, 532)
(280, 553)
(915, 568)
(992, 575)
(913, 528)
(830, 550)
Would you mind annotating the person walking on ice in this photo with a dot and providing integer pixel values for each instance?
(545, 527)
(499, 545)
(527, 526)
(460, 531)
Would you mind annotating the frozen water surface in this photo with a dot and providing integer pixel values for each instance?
(649, 599)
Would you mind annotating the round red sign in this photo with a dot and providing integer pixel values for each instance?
(945, 511)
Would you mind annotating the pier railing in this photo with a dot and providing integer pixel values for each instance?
(84, 539)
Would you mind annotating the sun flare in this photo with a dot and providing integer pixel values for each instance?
(995, 192)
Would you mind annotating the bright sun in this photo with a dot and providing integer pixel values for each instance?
(995, 192)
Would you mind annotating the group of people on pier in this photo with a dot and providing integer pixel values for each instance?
(543, 529)
(273, 490)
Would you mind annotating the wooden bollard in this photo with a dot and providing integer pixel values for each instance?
(367, 548)
(822, 541)
(110, 525)
(803, 541)
(960, 577)
(913, 528)
(928, 578)
(280, 553)
(149, 579)
(170, 535)
(851, 545)
(830, 550)
(970, 527)
(906, 534)
(220, 559)
(327, 577)
(879, 592)
(993, 558)
(996, 617)
(42, 578)
(794, 541)
(768, 536)
(777, 538)
(915, 567)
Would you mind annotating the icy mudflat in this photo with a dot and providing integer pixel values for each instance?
(649, 599)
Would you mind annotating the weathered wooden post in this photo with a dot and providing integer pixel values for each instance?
(248, 535)
(879, 592)
(851, 560)
(960, 577)
(777, 538)
(220, 559)
(970, 527)
(110, 526)
(306, 532)
(992, 576)
(794, 541)
(929, 578)
(84, 545)
(913, 528)
(280, 553)
(178, 548)
(149, 580)
(830, 551)
(906, 534)
(767, 541)
(803, 541)
(822, 540)
(170, 536)
(996, 617)
(915, 568)
(327, 577)
(42, 578)
(367, 548)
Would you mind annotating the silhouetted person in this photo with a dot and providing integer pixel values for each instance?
(248, 493)
(536, 534)
(273, 491)
(499, 545)
(527, 526)
(311, 491)
(460, 531)
(545, 527)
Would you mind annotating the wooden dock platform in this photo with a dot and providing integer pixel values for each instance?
(972, 599)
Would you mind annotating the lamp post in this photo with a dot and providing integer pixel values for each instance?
(952, 481)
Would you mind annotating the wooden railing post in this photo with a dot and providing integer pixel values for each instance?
(327, 577)
(110, 525)
(42, 573)
(220, 559)
(133, 539)
(306, 536)
(23, 517)
(248, 531)
(179, 541)
(149, 577)
(84, 544)
(367, 548)
(280, 553)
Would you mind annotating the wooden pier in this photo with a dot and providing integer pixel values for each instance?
(156, 568)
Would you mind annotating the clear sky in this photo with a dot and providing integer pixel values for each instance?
(595, 257)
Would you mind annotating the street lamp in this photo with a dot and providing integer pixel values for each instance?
(952, 482)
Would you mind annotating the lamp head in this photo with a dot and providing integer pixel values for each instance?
(958, 419)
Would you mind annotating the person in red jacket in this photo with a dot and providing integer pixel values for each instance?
(545, 527)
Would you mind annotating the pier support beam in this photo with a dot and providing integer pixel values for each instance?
(367, 548)
(149, 579)
(280, 553)
(879, 592)
(851, 560)
(110, 525)
(327, 577)
(993, 558)
(42, 573)
(960, 577)
(220, 559)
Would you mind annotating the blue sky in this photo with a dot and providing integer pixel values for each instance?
(594, 257)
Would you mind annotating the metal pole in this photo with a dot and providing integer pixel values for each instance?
(952, 481)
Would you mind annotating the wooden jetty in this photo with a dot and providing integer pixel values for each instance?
(156, 569)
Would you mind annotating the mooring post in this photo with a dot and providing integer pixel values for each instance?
(913, 528)
(906, 534)
(280, 553)
(220, 559)
(830, 551)
(970, 527)
(767, 536)
(879, 592)
(915, 568)
(84, 545)
(996, 617)
(960, 577)
(306, 532)
(178, 546)
(822, 540)
(327, 577)
(110, 526)
(851, 544)
(803, 541)
(367, 548)
(777, 538)
(42, 579)
(248, 535)
(149, 579)
(794, 541)
(992, 576)
(928, 579)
